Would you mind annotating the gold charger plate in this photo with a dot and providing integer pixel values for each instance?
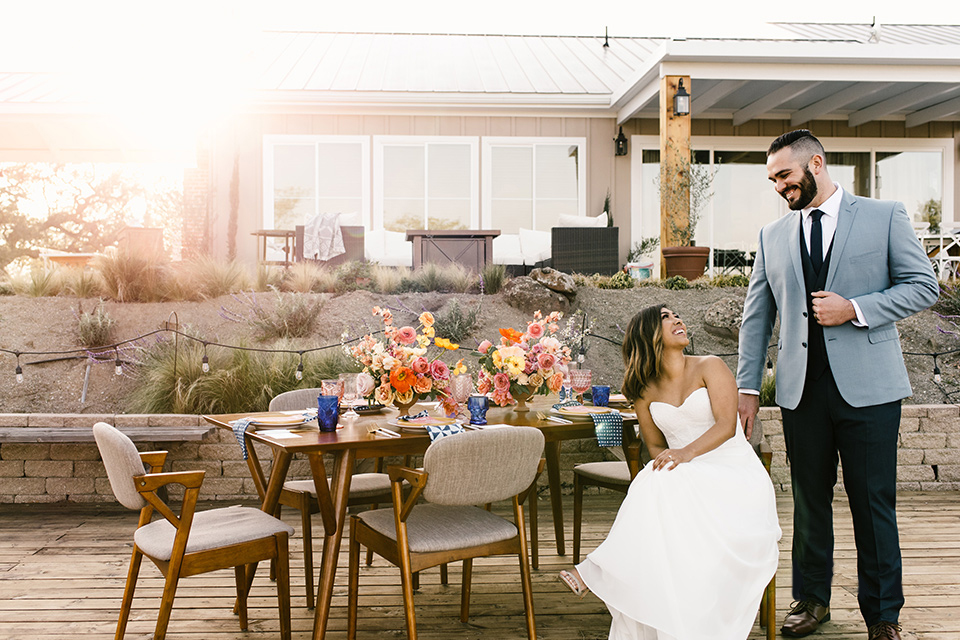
(279, 422)
(582, 411)
(420, 424)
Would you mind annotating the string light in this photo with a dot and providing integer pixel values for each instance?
(205, 365)
(19, 371)
(119, 365)
(299, 374)
(769, 367)
(936, 371)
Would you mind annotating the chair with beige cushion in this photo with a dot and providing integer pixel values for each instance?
(460, 472)
(189, 543)
(365, 488)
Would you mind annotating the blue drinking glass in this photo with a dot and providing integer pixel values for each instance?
(328, 410)
(478, 405)
(600, 394)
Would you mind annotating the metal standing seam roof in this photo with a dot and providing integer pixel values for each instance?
(919, 34)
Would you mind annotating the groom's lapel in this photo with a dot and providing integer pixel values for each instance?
(845, 217)
(794, 247)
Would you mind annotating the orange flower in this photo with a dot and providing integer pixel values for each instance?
(402, 378)
(446, 344)
(511, 334)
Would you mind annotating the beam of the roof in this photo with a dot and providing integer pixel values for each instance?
(772, 100)
(836, 101)
(719, 91)
(899, 101)
(649, 92)
(948, 108)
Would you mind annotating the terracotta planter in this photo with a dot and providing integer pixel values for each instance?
(689, 262)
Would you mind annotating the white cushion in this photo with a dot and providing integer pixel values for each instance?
(506, 249)
(535, 245)
(351, 219)
(397, 251)
(582, 221)
(373, 245)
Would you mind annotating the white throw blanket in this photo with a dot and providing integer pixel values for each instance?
(322, 238)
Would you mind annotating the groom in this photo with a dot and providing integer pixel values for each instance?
(839, 273)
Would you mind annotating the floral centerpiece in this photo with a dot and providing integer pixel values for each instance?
(398, 370)
(524, 363)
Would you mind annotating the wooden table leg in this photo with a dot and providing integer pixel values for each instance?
(340, 485)
(551, 451)
(278, 474)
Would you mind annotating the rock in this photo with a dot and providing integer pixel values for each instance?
(722, 318)
(555, 280)
(528, 295)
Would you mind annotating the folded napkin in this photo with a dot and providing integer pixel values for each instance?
(608, 426)
(443, 430)
(240, 427)
(567, 403)
(422, 414)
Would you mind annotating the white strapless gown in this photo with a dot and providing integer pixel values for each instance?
(692, 548)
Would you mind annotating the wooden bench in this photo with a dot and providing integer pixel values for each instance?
(85, 434)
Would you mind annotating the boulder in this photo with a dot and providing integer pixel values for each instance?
(555, 280)
(528, 295)
(722, 318)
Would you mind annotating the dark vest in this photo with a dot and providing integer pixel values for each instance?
(816, 345)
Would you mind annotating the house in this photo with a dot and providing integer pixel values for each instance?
(443, 131)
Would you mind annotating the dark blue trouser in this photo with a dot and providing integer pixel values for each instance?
(822, 429)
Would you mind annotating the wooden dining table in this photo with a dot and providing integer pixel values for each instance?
(358, 439)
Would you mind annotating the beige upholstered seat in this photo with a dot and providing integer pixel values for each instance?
(191, 542)
(365, 488)
(459, 473)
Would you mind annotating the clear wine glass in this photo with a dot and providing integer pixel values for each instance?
(349, 385)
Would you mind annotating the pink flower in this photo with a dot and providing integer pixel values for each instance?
(502, 398)
(422, 384)
(483, 386)
(406, 335)
(529, 366)
(554, 382)
(384, 394)
(535, 330)
(420, 365)
(546, 360)
(439, 370)
(365, 384)
(450, 406)
(484, 346)
(501, 382)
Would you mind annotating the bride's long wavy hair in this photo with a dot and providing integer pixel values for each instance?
(642, 351)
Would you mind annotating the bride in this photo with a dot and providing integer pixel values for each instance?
(695, 540)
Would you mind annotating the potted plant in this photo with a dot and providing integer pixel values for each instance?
(688, 186)
(640, 258)
(930, 212)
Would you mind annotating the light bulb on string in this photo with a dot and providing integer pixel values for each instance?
(205, 363)
(118, 368)
(936, 373)
(19, 373)
(299, 374)
(769, 367)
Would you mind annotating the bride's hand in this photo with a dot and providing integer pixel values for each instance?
(670, 458)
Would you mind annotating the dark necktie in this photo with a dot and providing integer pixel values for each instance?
(816, 240)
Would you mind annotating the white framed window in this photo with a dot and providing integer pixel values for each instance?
(531, 182)
(426, 182)
(306, 175)
(911, 170)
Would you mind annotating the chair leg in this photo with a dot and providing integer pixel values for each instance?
(534, 530)
(166, 602)
(771, 613)
(465, 589)
(525, 575)
(240, 574)
(283, 584)
(273, 567)
(353, 587)
(443, 574)
(307, 526)
(577, 515)
(415, 580)
(132, 573)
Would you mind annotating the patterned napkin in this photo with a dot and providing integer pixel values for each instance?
(443, 430)
(608, 426)
(240, 427)
(422, 414)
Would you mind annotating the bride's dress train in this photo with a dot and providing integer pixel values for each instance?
(693, 547)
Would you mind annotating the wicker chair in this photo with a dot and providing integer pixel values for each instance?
(586, 250)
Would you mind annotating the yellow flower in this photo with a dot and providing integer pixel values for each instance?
(426, 319)
(446, 344)
(429, 331)
(514, 365)
(423, 342)
(460, 367)
(497, 359)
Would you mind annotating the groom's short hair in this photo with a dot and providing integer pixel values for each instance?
(801, 142)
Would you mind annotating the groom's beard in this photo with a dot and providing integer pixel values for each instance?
(808, 191)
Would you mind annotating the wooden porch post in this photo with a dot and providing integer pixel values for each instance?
(674, 155)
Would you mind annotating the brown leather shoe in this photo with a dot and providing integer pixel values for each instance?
(884, 631)
(804, 618)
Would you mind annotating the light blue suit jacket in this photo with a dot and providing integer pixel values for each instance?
(877, 261)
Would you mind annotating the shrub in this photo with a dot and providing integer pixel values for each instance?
(459, 278)
(309, 277)
(94, 329)
(83, 283)
(432, 277)
(208, 277)
(455, 323)
(40, 283)
(293, 315)
(6, 288)
(388, 279)
(619, 280)
(130, 277)
(268, 277)
(171, 379)
(948, 304)
(729, 280)
(493, 277)
(353, 275)
(768, 391)
(676, 283)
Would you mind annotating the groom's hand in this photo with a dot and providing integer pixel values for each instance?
(831, 309)
(748, 407)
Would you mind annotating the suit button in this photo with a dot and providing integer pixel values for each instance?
(804, 314)
(804, 345)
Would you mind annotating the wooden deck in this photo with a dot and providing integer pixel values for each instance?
(62, 570)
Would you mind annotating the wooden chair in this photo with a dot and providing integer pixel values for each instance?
(365, 488)
(617, 475)
(192, 542)
(459, 472)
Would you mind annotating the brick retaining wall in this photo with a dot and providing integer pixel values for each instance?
(929, 457)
